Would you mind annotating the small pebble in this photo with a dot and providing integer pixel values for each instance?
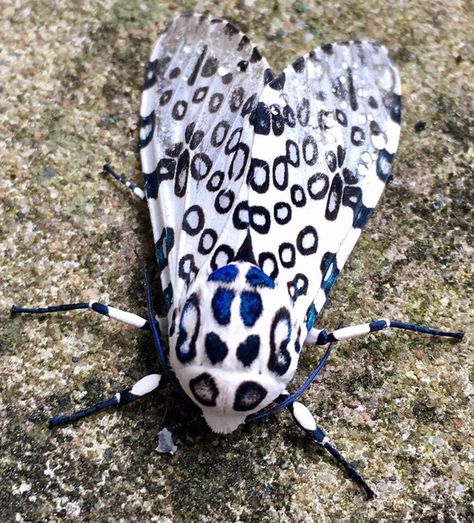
(166, 444)
(47, 172)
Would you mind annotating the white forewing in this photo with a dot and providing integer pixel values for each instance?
(201, 84)
(329, 127)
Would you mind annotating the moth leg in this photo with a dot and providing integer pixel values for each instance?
(142, 387)
(117, 314)
(321, 337)
(306, 421)
(137, 191)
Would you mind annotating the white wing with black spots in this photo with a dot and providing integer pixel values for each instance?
(258, 188)
(326, 131)
(202, 82)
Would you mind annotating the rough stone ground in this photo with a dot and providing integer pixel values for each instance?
(399, 405)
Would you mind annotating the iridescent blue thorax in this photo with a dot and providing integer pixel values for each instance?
(234, 346)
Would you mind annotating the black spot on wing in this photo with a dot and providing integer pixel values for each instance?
(261, 119)
(197, 66)
(147, 128)
(150, 75)
(255, 56)
(259, 219)
(311, 317)
(193, 220)
(187, 269)
(393, 104)
(278, 82)
(384, 165)
(199, 94)
(244, 42)
(201, 165)
(181, 177)
(179, 110)
(215, 181)
(207, 241)
(268, 263)
(230, 29)
(163, 247)
(329, 271)
(240, 216)
(352, 196)
(223, 255)
(165, 170)
(318, 185)
(298, 286)
(189, 325)
(352, 94)
(219, 133)
(327, 48)
(268, 76)
(259, 175)
(298, 64)
(282, 213)
(210, 67)
(278, 122)
(307, 240)
(334, 198)
(287, 253)
(280, 359)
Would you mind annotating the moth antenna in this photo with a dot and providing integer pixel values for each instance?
(137, 191)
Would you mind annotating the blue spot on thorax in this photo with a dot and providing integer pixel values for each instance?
(250, 307)
(221, 304)
(257, 278)
(226, 274)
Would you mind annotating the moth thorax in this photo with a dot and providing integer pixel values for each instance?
(234, 348)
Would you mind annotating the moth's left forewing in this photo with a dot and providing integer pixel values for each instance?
(201, 84)
(333, 127)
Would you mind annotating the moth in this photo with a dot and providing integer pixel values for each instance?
(258, 186)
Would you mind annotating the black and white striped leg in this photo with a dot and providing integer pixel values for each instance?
(306, 421)
(321, 337)
(117, 314)
(139, 193)
(142, 388)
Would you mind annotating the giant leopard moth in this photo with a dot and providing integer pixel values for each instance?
(258, 187)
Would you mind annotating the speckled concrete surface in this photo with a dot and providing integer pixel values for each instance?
(399, 405)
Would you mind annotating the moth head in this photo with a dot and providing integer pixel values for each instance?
(234, 347)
